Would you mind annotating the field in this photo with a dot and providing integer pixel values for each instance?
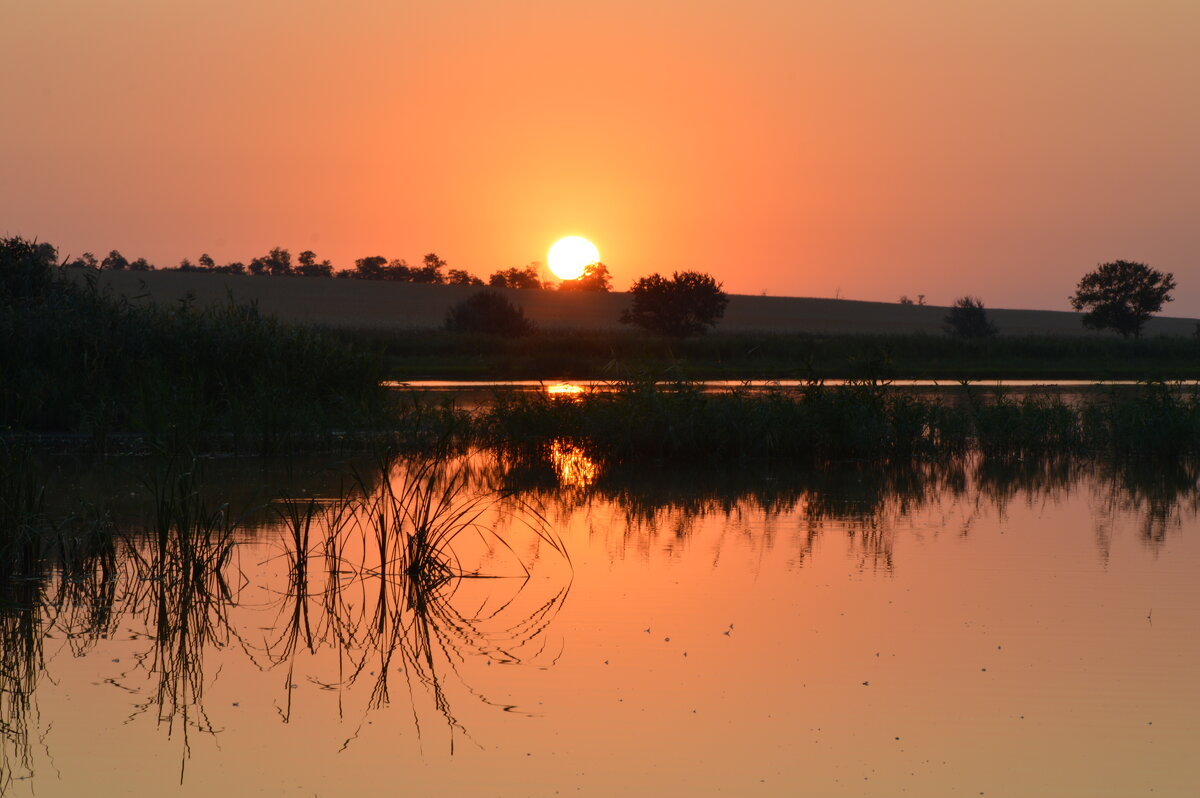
(388, 305)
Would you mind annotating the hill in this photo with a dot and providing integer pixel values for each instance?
(384, 305)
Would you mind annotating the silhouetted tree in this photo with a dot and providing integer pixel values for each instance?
(430, 271)
(47, 252)
(186, 265)
(462, 277)
(488, 312)
(529, 277)
(141, 265)
(307, 265)
(968, 319)
(687, 304)
(206, 262)
(277, 263)
(398, 271)
(85, 261)
(115, 261)
(25, 269)
(368, 268)
(595, 277)
(1122, 296)
(236, 267)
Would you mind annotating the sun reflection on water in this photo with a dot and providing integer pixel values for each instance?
(572, 465)
(568, 389)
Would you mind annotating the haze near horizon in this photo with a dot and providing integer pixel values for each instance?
(866, 149)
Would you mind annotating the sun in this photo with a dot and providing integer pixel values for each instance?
(570, 255)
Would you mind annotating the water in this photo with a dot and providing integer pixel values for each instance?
(960, 630)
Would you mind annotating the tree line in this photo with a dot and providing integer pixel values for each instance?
(432, 270)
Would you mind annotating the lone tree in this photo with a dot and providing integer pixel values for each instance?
(490, 313)
(1122, 295)
(685, 305)
(968, 319)
(595, 277)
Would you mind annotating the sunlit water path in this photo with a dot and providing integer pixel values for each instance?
(951, 631)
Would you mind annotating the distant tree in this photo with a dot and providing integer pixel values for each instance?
(115, 261)
(397, 271)
(430, 271)
(904, 300)
(687, 304)
(206, 262)
(47, 252)
(236, 267)
(369, 268)
(488, 312)
(595, 277)
(85, 261)
(529, 277)
(141, 265)
(462, 277)
(1122, 296)
(25, 271)
(968, 319)
(307, 265)
(186, 265)
(277, 263)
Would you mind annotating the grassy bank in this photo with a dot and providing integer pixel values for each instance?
(615, 354)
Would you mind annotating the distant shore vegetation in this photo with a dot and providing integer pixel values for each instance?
(278, 262)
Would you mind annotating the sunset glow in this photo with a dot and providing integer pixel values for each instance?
(570, 256)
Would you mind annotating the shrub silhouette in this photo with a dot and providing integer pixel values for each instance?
(968, 319)
(1122, 296)
(685, 305)
(488, 312)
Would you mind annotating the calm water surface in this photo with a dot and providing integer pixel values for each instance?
(953, 631)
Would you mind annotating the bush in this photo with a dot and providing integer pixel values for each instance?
(968, 319)
(488, 312)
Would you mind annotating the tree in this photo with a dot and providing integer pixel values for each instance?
(1122, 296)
(85, 261)
(968, 319)
(430, 272)
(307, 265)
(595, 277)
(529, 277)
(684, 305)
(277, 263)
(462, 277)
(25, 270)
(488, 312)
(115, 261)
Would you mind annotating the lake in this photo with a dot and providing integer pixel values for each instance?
(970, 628)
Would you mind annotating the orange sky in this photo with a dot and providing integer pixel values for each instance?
(799, 148)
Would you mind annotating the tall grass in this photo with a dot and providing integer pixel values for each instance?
(77, 360)
(645, 422)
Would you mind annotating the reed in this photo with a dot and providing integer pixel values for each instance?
(645, 421)
(78, 360)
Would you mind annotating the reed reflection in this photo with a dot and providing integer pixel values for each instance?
(413, 576)
(404, 574)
